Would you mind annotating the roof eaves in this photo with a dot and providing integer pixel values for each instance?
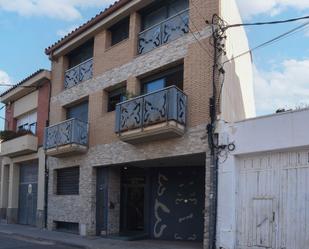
(23, 81)
(103, 14)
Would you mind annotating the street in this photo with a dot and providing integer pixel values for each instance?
(16, 242)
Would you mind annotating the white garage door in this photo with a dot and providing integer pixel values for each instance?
(273, 201)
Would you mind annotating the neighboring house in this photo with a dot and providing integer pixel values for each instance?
(23, 159)
(135, 166)
(264, 183)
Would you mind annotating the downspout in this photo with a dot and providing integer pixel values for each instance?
(46, 168)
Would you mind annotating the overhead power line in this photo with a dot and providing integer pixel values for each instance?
(267, 23)
(269, 42)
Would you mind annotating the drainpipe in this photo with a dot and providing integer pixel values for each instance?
(46, 168)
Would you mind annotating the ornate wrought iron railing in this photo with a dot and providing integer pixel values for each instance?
(79, 73)
(160, 106)
(164, 32)
(71, 131)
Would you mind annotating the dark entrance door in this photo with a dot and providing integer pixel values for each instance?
(28, 194)
(132, 203)
(178, 203)
(101, 206)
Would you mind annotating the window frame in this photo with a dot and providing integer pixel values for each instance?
(77, 53)
(113, 93)
(65, 192)
(24, 121)
(81, 105)
(125, 32)
(162, 75)
(163, 4)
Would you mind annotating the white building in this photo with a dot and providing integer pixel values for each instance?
(263, 195)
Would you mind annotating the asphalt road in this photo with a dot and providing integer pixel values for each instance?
(15, 242)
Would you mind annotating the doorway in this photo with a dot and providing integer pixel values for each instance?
(28, 194)
(132, 201)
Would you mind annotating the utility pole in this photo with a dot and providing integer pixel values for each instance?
(218, 39)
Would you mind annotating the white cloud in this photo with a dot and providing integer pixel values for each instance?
(64, 32)
(60, 9)
(4, 80)
(287, 88)
(250, 8)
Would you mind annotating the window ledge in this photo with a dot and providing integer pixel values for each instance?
(117, 44)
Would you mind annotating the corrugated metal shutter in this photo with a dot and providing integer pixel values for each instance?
(68, 181)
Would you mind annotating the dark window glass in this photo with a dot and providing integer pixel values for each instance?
(161, 10)
(68, 181)
(79, 111)
(177, 6)
(32, 128)
(154, 17)
(115, 97)
(23, 127)
(154, 85)
(171, 77)
(81, 54)
(120, 31)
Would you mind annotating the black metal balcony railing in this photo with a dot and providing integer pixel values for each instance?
(72, 131)
(167, 104)
(79, 73)
(164, 32)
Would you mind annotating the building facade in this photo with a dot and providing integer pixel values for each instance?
(263, 183)
(127, 142)
(22, 189)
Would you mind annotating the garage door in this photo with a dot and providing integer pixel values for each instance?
(273, 201)
(28, 191)
(178, 204)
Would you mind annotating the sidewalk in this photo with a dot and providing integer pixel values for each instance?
(91, 242)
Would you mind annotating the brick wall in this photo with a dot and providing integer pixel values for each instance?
(10, 122)
(118, 65)
(42, 111)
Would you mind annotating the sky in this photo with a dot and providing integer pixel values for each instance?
(281, 71)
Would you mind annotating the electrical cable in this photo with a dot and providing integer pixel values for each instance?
(269, 42)
(267, 23)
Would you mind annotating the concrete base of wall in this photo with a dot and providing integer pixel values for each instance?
(12, 215)
(2, 213)
(40, 218)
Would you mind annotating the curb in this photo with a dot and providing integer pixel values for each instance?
(40, 239)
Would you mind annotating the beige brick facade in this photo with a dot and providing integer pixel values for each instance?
(117, 65)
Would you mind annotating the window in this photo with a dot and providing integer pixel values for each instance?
(68, 181)
(120, 31)
(162, 10)
(115, 97)
(68, 227)
(167, 78)
(27, 122)
(79, 111)
(32, 128)
(81, 54)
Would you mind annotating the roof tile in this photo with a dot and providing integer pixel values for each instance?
(106, 12)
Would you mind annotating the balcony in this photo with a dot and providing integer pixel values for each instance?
(66, 138)
(78, 74)
(157, 115)
(164, 32)
(19, 146)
